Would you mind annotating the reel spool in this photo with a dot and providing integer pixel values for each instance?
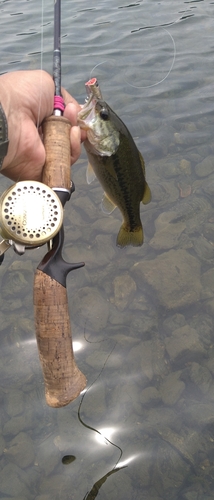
(31, 214)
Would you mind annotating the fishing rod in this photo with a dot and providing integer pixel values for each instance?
(31, 214)
(63, 380)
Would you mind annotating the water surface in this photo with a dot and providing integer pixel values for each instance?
(142, 319)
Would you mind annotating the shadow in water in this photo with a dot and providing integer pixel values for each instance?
(91, 495)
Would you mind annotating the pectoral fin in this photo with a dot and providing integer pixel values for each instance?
(146, 195)
(90, 175)
(107, 205)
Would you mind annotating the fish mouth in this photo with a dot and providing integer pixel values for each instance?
(87, 113)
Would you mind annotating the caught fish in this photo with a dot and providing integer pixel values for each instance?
(116, 162)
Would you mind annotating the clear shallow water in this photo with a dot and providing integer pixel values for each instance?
(142, 317)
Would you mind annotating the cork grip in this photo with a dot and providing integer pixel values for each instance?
(56, 139)
(63, 380)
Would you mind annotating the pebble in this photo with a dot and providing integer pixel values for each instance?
(185, 166)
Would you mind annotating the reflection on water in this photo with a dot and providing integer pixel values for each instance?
(142, 319)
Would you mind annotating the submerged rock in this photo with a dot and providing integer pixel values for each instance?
(14, 481)
(174, 276)
(89, 309)
(124, 290)
(21, 450)
(184, 345)
(205, 167)
(172, 388)
(151, 358)
(14, 402)
(167, 234)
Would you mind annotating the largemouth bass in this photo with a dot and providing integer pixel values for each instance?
(116, 162)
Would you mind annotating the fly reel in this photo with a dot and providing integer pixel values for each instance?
(31, 214)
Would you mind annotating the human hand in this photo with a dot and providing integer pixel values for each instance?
(27, 99)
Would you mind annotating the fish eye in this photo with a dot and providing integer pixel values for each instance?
(104, 114)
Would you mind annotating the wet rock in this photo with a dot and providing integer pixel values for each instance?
(173, 322)
(179, 138)
(164, 192)
(150, 357)
(90, 309)
(172, 388)
(185, 166)
(169, 470)
(56, 487)
(150, 395)
(125, 399)
(97, 254)
(209, 306)
(207, 281)
(201, 377)
(203, 248)
(167, 234)
(193, 210)
(174, 276)
(14, 481)
(13, 284)
(2, 445)
(186, 445)
(44, 497)
(14, 402)
(141, 472)
(117, 317)
(124, 290)
(47, 461)
(21, 450)
(205, 167)
(144, 325)
(84, 204)
(17, 498)
(169, 168)
(18, 424)
(199, 414)
(184, 345)
(161, 419)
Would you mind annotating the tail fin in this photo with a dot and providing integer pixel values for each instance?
(126, 237)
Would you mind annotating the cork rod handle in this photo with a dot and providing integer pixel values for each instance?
(63, 380)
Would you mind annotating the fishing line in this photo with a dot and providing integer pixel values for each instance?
(41, 62)
(92, 428)
(170, 69)
(89, 341)
(99, 64)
